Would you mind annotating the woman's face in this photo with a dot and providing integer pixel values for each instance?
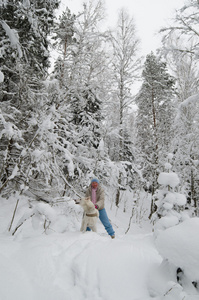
(94, 184)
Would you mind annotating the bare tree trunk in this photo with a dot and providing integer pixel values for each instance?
(132, 214)
(117, 200)
(194, 194)
(120, 143)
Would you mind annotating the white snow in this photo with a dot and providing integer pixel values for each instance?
(75, 266)
(26, 3)
(180, 245)
(168, 179)
(63, 264)
(1, 77)
(13, 37)
(37, 154)
(14, 172)
(170, 156)
(101, 147)
(168, 166)
(180, 199)
(175, 198)
(192, 100)
(166, 222)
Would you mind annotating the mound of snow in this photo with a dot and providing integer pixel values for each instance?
(180, 245)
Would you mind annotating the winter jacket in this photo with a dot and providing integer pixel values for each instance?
(99, 196)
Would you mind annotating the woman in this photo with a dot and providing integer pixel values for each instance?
(96, 192)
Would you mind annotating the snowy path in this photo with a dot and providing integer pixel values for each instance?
(75, 266)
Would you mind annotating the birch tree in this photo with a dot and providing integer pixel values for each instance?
(125, 67)
(186, 28)
(183, 65)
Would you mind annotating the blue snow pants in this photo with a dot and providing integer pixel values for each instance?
(105, 221)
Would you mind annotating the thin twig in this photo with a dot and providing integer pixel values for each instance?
(22, 223)
(13, 215)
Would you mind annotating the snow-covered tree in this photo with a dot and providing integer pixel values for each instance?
(170, 203)
(64, 38)
(24, 30)
(181, 43)
(183, 65)
(154, 118)
(186, 28)
(125, 67)
(82, 74)
(185, 145)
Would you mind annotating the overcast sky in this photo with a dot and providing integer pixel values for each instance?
(149, 16)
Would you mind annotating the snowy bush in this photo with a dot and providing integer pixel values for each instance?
(179, 244)
(179, 247)
(170, 204)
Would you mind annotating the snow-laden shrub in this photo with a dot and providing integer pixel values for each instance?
(179, 247)
(170, 203)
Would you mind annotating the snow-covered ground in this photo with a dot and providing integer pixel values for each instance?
(64, 264)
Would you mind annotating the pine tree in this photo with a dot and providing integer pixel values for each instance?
(24, 44)
(24, 30)
(170, 203)
(154, 117)
(64, 38)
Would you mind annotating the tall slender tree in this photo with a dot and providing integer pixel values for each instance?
(154, 117)
(125, 65)
(64, 38)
